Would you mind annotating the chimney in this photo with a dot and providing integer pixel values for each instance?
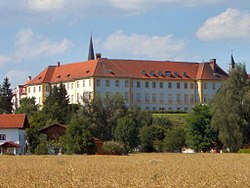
(213, 64)
(29, 77)
(98, 55)
(58, 63)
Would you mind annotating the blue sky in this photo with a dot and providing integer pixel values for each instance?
(38, 33)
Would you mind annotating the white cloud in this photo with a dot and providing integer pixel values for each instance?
(29, 45)
(142, 5)
(3, 60)
(45, 5)
(158, 47)
(17, 76)
(229, 24)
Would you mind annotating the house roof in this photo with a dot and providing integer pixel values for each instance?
(55, 124)
(10, 144)
(13, 121)
(140, 69)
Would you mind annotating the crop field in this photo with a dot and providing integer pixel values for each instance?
(136, 170)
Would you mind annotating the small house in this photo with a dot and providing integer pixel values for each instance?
(12, 133)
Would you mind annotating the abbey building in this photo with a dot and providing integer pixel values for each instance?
(150, 85)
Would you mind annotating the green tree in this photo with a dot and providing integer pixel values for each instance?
(199, 134)
(174, 139)
(78, 137)
(151, 138)
(36, 122)
(230, 110)
(126, 132)
(5, 97)
(56, 105)
(28, 106)
(162, 122)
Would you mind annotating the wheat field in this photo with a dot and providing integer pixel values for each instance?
(136, 170)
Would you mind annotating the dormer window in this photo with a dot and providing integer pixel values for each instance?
(167, 73)
(39, 78)
(87, 71)
(175, 74)
(68, 75)
(143, 72)
(160, 73)
(152, 73)
(184, 73)
(111, 72)
(59, 76)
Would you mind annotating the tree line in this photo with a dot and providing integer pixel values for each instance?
(223, 123)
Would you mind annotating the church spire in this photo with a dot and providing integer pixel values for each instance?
(232, 63)
(91, 49)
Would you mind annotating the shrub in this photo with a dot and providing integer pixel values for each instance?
(113, 148)
(244, 150)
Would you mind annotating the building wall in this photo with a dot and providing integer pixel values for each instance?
(148, 94)
(15, 135)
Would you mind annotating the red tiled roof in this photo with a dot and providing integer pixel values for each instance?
(10, 144)
(11, 121)
(104, 67)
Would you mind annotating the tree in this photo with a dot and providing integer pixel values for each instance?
(126, 132)
(151, 138)
(230, 110)
(174, 139)
(56, 105)
(5, 97)
(36, 122)
(78, 136)
(162, 122)
(199, 134)
(28, 106)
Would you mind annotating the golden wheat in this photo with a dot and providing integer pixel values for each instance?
(138, 170)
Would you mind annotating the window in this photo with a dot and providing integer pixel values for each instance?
(192, 98)
(39, 100)
(214, 86)
(154, 108)
(161, 85)
(161, 97)
(178, 85)
(153, 84)
(2, 136)
(107, 83)
(170, 98)
(126, 96)
(77, 97)
(126, 83)
(34, 89)
(146, 84)
(191, 86)
(186, 109)
(72, 98)
(169, 85)
(205, 85)
(72, 85)
(117, 83)
(83, 83)
(89, 83)
(98, 83)
(67, 86)
(138, 84)
(39, 88)
(77, 84)
(185, 85)
(170, 108)
(47, 88)
(138, 97)
(205, 98)
(154, 97)
(178, 98)
(147, 97)
(186, 98)
(146, 108)
(28, 89)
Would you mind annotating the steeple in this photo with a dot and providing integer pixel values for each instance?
(91, 49)
(232, 63)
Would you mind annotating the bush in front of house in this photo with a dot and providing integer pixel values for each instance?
(113, 148)
(244, 150)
